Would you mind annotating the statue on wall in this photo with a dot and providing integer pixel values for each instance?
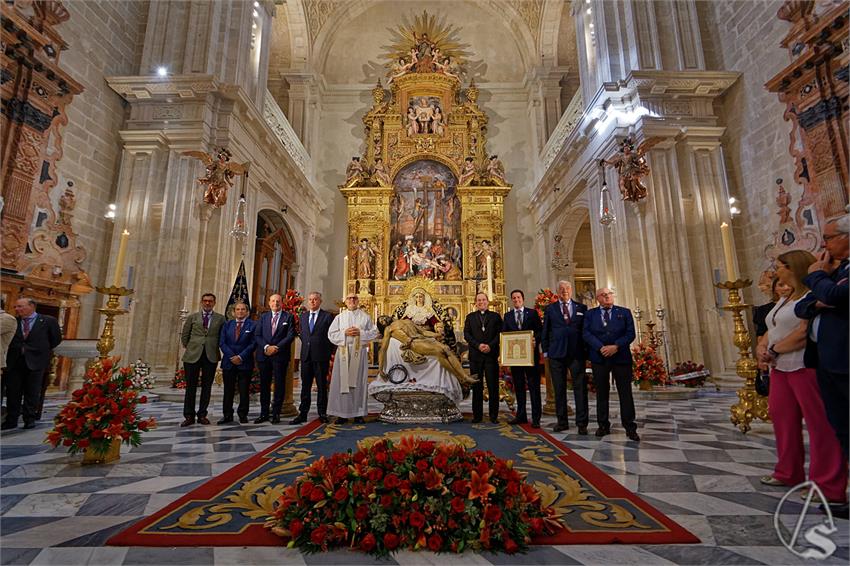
(468, 173)
(379, 173)
(496, 172)
(365, 254)
(220, 174)
(354, 173)
(631, 167)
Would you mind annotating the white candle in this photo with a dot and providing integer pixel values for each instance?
(122, 255)
(344, 277)
(728, 255)
(490, 278)
(185, 303)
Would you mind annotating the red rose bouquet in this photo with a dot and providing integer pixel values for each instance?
(415, 494)
(544, 298)
(689, 374)
(648, 366)
(293, 303)
(103, 409)
(179, 380)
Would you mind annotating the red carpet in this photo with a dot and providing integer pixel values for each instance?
(230, 509)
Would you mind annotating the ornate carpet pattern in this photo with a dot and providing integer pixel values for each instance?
(230, 509)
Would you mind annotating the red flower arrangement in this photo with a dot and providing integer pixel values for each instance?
(413, 494)
(103, 409)
(648, 366)
(689, 374)
(179, 379)
(293, 303)
(544, 298)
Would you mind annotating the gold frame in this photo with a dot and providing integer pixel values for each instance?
(523, 337)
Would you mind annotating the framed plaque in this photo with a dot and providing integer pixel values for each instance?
(517, 348)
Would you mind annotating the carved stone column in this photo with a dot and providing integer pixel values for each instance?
(302, 100)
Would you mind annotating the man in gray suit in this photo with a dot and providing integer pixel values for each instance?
(200, 337)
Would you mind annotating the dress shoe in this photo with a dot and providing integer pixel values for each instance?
(225, 420)
(601, 431)
(324, 419)
(29, 424)
(341, 420)
(275, 419)
(633, 435)
(359, 420)
(839, 510)
(8, 425)
(561, 427)
(535, 424)
(187, 422)
(243, 419)
(582, 430)
(203, 420)
(298, 420)
(515, 420)
(476, 420)
(261, 419)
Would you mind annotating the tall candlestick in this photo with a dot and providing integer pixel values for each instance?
(489, 278)
(344, 277)
(122, 255)
(729, 256)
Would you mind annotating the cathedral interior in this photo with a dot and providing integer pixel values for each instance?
(376, 146)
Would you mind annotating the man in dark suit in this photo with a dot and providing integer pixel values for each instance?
(274, 338)
(827, 307)
(200, 336)
(237, 362)
(517, 319)
(27, 362)
(481, 331)
(562, 345)
(609, 331)
(316, 352)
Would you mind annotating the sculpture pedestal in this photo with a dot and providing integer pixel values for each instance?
(404, 407)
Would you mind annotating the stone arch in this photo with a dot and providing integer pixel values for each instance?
(275, 257)
(570, 224)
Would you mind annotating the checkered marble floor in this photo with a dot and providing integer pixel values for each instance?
(691, 464)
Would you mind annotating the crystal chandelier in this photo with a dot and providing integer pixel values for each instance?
(240, 230)
(606, 216)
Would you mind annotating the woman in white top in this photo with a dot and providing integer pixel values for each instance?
(794, 394)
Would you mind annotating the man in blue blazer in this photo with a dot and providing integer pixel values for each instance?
(609, 331)
(237, 345)
(827, 306)
(316, 352)
(562, 345)
(517, 319)
(274, 337)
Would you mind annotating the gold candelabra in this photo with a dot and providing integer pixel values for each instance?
(111, 310)
(750, 404)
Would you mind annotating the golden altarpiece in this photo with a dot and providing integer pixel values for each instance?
(425, 202)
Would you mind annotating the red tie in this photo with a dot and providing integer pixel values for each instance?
(566, 309)
(26, 327)
(238, 328)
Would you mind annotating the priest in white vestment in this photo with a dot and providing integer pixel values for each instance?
(351, 331)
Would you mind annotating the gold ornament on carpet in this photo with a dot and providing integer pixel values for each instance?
(220, 174)
(751, 405)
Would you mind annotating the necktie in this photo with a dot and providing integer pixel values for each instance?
(566, 310)
(206, 320)
(274, 322)
(312, 321)
(26, 327)
(606, 316)
(519, 318)
(238, 328)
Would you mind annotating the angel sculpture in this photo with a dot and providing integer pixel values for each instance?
(220, 174)
(631, 165)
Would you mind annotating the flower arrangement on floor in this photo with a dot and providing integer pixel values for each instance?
(179, 379)
(647, 365)
(415, 494)
(141, 378)
(544, 298)
(689, 374)
(293, 303)
(104, 409)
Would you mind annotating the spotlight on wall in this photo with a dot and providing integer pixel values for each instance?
(256, 4)
(162, 71)
(110, 211)
(733, 206)
(285, 209)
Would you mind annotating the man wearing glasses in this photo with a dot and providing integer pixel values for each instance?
(609, 331)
